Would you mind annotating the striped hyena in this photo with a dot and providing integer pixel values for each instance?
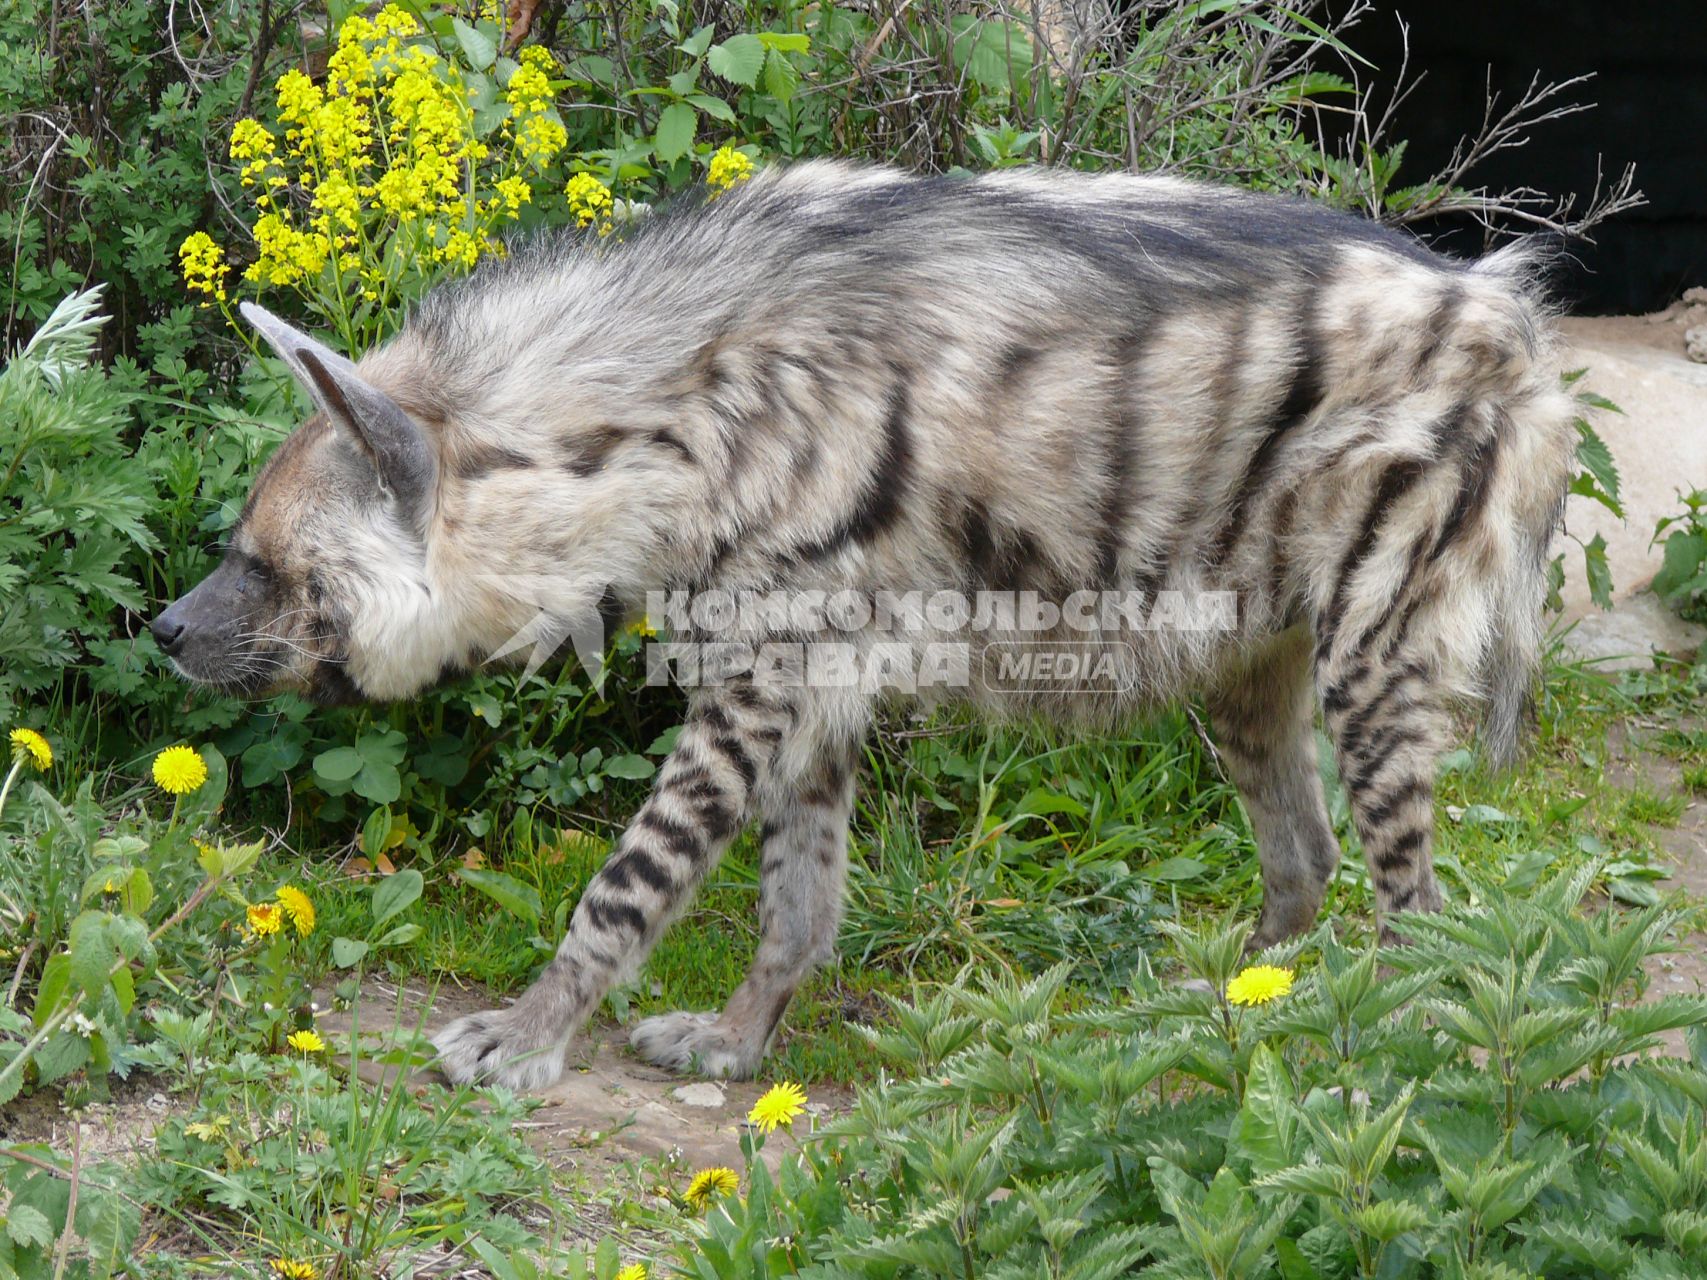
(853, 382)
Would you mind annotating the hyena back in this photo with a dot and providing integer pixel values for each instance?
(849, 380)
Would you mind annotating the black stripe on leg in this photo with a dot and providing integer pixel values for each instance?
(614, 915)
(680, 840)
(633, 864)
(1381, 812)
(731, 749)
(1399, 854)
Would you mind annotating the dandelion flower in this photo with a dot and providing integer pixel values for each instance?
(264, 918)
(297, 906)
(780, 1106)
(306, 1042)
(294, 1269)
(29, 745)
(712, 1182)
(180, 770)
(633, 1271)
(1259, 984)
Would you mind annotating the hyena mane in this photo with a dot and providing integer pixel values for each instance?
(1212, 442)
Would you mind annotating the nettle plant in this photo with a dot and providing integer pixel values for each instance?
(1474, 1105)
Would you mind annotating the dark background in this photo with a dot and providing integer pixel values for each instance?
(1650, 86)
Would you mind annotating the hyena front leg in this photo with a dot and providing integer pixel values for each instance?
(802, 863)
(1264, 717)
(1389, 727)
(723, 756)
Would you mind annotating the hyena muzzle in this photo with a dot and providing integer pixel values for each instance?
(836, 382)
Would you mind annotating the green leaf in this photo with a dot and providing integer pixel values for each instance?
(781, 79)
(696, 44)
(378, 782)
(395, 893)
(29, 1226)
(630, 767)
(401, 935)
(340, 764)
(1599, 571)
(347, 952)
(1267, 1126)
(91, 954)
(1596, 460)
(480, 49)
(376, 831)
(515, 897)
(676, 126)
(738, 59)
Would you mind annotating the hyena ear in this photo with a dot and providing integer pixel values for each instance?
(401, 455)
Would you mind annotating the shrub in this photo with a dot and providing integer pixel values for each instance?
(1682, 579)
(1483, 1110)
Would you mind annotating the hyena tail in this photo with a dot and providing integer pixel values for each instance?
(1539, 446)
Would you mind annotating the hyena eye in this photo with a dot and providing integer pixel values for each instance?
(255, 577)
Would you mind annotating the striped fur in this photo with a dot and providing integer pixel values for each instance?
(843, 378)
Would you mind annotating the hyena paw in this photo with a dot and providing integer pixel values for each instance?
(695, 1042)
(500, 1048)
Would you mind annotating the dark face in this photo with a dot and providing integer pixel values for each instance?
(322, 590)
(263, 623)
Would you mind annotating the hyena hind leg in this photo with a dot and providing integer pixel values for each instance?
(1264, 719)
(802, 863)
(1389, 727)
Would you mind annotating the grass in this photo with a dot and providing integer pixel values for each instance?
(996, 848)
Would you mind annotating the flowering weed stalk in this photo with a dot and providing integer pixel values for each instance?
(403, 165)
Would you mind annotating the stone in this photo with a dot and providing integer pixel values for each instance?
(1695, 343)
(1626, 637)
(700, 1094)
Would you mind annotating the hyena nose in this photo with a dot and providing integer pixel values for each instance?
(168, 632)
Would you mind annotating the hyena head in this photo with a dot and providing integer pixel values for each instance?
(324, 588)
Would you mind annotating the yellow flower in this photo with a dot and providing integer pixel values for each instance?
(633, 1271)
(294, 1269)
(179, 770)
(780, 1106)
(209, 1131)
(264, 918)
(306, 1042)
(712, 1182)
(29, 745)
(589, 200)
(297, 906)
(203, 264)
(514, 193)
(1259, 984)
(729, 168)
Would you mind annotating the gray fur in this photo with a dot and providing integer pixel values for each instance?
(848, 379)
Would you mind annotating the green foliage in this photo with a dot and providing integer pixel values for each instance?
(1682, 579)
(1484, 1110)
(1597, 480)
(312, 1165)
(73, 504)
